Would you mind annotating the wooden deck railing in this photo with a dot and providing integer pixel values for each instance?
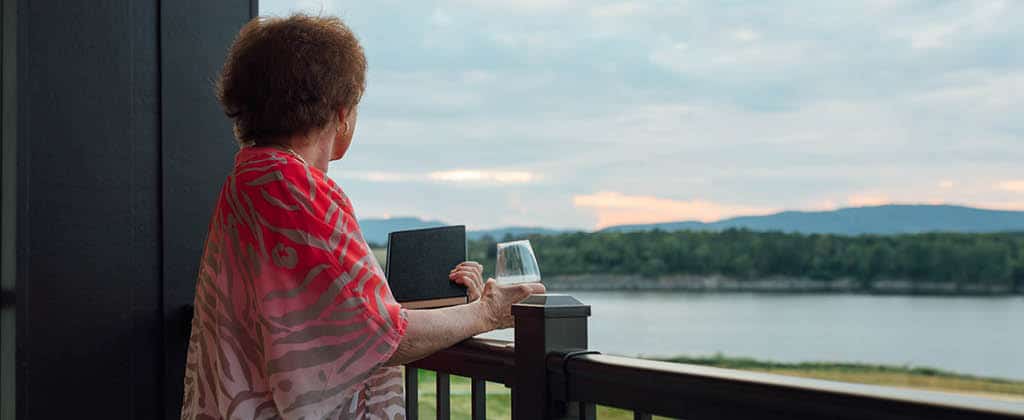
(553, 375)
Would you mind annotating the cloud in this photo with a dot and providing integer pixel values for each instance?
(614, 208)
(745, 35)
(985, 91)
(484, 176)
(823, 205)
(724, 60)
(374, 176)
(531, 42)
(478, 76)
(868, 199)
(1016, 185)
(615, 10)
(751, 105)
(456, 176)
(1003, 205)
(441, 18)
(531, 7)
(940, 34)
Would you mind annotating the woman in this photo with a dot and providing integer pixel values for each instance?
(294, 318)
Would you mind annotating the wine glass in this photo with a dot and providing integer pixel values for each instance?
(516, 263)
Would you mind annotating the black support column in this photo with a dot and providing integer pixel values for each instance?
(113, 152)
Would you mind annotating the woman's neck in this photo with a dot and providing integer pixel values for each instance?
(315, 148)
(314, 154)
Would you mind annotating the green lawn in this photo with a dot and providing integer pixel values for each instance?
(498, 397)
(899, 376)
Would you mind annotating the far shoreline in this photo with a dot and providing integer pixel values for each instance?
(775, 285)
(685, 283)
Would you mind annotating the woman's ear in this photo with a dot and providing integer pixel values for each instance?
(342, 115)
(343, 133)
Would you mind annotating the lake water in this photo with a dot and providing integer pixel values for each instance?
(981, 336)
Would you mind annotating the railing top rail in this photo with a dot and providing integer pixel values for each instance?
(481, 358)
(692, 391)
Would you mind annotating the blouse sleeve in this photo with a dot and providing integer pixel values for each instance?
(327, 317)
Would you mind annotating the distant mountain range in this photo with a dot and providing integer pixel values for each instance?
(888, 219)
(376, 230)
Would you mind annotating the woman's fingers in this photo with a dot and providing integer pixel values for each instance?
(470, 280)
(471, 266)
(465, 270)
(475, 272)
(474, 288)
(469, 274)
(461, 279)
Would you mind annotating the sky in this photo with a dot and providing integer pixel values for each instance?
(585, 114)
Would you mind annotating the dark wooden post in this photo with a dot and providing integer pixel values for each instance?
(543, 323)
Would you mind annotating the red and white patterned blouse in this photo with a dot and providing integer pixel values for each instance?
(293, 317)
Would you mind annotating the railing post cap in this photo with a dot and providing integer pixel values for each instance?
(551, 305)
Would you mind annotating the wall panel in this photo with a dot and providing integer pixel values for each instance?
(8, 315)
(120, 150)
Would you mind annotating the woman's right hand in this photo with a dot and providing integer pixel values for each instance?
(497, 300)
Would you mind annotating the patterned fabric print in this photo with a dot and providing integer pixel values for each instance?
(293, 318)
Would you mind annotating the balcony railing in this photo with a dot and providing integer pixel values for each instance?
(553, 375)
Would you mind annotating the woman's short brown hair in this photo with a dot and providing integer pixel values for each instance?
(287, 76)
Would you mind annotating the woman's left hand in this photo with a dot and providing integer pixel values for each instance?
(471, 275)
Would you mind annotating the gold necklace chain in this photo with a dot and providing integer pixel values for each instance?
(292, 151)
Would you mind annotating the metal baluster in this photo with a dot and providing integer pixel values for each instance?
(412, 393)
(479, 395)
(444, 410)
(641, 416)
(588, 411)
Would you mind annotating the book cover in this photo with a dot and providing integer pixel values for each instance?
(418, 263)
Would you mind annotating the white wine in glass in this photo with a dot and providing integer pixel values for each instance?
(516, 263)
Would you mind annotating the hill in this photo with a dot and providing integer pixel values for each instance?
(885, 220)
(376, 230)
(882, 220)
(518, 232)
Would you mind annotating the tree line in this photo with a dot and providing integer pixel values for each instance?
(744, 254)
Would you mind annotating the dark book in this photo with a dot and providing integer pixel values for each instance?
(418, 264)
